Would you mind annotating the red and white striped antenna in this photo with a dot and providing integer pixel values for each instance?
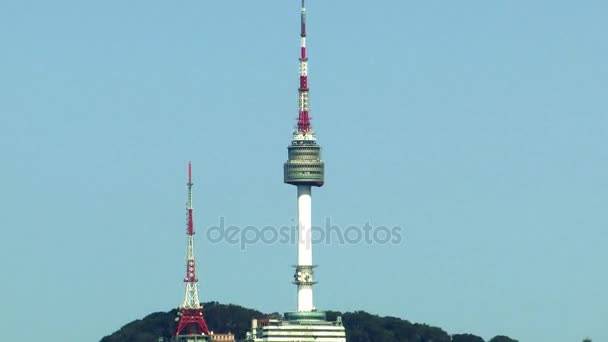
(189, 205)
(191, 311)
(304, 117)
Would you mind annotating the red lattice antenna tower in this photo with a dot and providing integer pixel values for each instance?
(191, 311)
(303, 117)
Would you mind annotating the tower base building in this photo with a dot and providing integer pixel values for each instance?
(298, 326)
(229, 337)
(191, 338)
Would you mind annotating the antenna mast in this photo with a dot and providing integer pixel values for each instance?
(191, 311)
(304, 117)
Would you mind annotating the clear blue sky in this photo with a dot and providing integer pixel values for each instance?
(478, 126)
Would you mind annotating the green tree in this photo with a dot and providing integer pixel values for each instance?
(501, 338)
(466, 338)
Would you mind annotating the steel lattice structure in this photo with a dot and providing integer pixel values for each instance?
(191, 311)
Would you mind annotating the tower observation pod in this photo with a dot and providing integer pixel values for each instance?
(304, 165)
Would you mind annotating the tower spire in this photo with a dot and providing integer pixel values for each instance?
(304, 117)
(191, 311)
(189, 202)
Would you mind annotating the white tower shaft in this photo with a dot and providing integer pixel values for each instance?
(304, 225)
(305, 298)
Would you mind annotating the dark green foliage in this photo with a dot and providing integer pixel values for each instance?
(466, 338)
(360, 327)
(501, 338)
(231, 318)
(364, 327)
(220, 318)
(147, 329)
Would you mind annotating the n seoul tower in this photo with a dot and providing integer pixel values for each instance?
(304, 169)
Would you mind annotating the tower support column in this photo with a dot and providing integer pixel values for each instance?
(304, 270)
(304, 225)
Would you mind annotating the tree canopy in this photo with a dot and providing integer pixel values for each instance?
(466, 338)
(501, 338)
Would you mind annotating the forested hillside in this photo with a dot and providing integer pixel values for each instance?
(360, 327)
